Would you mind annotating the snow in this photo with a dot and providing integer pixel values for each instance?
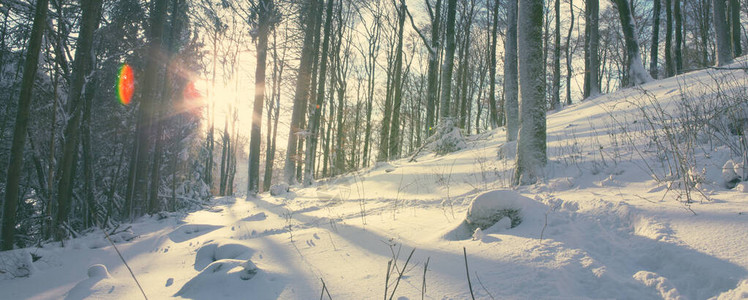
(599, 226)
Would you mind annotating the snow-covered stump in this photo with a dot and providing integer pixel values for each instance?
(496, 211)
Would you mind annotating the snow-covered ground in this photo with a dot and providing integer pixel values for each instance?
(600, 226)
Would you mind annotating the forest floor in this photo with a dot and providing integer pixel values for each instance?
(610, 221)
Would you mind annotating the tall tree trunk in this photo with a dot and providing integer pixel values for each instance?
(449, 62)
(432, 91)
(314, 117)
(724, 48)
(592, 42)
(139, 169)
(531, 143)
(397, 83)
(511, 82)
(637, 74)
(737, 49)
(556, 94)
(263, 29)
(302, 91)
(494, 117)
(13, 177)
(568, 53)
(669, 65)
(160, 111)
(81, 67)
(678, 37)
(655, 39)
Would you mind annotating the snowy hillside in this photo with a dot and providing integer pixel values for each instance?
(612, 219)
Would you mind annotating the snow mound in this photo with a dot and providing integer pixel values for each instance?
(98, 271)
(730, 174)
(16, 263)
(496, 211)
(99, 284)
(219, 273)
(212, 252)
(279, 189)
(659, 283)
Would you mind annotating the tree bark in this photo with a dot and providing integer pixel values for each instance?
(678, 37)
(397, 82)
(669, 65)
(556, 93)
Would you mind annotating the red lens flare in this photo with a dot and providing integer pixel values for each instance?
(125, 84)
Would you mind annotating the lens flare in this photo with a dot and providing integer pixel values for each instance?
(125, 84)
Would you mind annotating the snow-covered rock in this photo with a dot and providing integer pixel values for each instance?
(279, 189)
(98, 271)
(219, 273)
(16, 263)
(216, 251)
(729, 176)
(491, 207)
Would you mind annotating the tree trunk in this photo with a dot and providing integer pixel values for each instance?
(263, 29)
(556, 93)
(678, 37)
(139, 192)
(13, 177)
(568, 54)
(655, 39)
(511, 85)
(449, 58)
(302, 91)
(397, 83)
(669, 66)
(637, 74)
(81, 67)
(494, 118)
(737, 49)
(531, 143)
(314, 117)
(724, 49)
(432, 91)
(592, 42)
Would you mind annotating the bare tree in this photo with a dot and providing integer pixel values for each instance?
(655, 39)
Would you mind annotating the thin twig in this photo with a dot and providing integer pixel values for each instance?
(467, 271)
(483, 286)
(401, 274)
(324, 290)
(423, 287)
